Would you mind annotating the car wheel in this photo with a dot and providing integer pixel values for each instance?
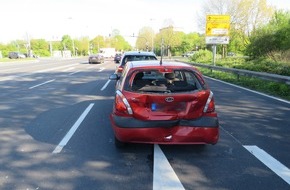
(119, 144)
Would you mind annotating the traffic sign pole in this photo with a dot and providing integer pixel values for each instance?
(213, 54)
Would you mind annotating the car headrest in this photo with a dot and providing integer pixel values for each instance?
(139, 76)
(169, 76)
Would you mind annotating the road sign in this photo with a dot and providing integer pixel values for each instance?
(217, 40)
(217, 25)
(217, 29)
(217, 18)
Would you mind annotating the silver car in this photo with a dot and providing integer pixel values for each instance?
(96, 58)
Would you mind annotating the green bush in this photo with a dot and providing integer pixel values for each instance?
(202, 56)
(268, 87)
(263, 65)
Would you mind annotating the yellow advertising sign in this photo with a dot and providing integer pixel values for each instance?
(217, 25)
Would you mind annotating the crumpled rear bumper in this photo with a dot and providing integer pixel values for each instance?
(204, 130)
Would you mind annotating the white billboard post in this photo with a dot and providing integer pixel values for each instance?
(217, 31)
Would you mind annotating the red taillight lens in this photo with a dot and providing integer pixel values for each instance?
(119, 104)
(210, 105)
(120, 69)
(122, 104)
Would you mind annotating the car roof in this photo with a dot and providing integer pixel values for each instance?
(139, 53)
(153, 63)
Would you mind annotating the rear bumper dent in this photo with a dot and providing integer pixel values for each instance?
(128, 122)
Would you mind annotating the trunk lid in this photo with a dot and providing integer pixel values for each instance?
(167, 106)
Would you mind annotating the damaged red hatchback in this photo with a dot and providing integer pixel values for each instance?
(163, 103)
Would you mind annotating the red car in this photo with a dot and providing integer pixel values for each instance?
(163, 103)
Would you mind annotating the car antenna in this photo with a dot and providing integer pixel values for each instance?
(161, 52)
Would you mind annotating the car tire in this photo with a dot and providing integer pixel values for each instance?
(119, 144)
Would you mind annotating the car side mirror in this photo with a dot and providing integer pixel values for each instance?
(114, 77)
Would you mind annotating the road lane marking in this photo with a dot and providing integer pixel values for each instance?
(41, 84)
(54, 68)
(73, 129)
(277, 167)
(68, 69)
(275, 98)
(164, 177)
(74, 73)
(105, 86)
(31, 73)
(101, 69)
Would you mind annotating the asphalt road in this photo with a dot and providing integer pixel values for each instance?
(55, 134)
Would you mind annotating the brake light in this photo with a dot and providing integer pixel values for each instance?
(120, 69)
(210, 105)
(122, 104)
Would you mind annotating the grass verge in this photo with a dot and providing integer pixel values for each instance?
(268, 87)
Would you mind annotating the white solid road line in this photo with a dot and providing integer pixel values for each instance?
(260, 93)
(70, 133)
(277, 167)
(164, 177)
(42, 84)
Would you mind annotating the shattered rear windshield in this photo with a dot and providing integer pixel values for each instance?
(164, 82)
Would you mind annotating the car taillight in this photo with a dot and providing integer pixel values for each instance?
(120, 69)
(210, 105)
(122, 104)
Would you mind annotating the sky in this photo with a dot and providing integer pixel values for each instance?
(51, 19)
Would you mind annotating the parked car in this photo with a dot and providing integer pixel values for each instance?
(188, 54)
(16, 55)
(117, 57)
(231, 54)
(96, 58)
(163, 103)
(134, 56)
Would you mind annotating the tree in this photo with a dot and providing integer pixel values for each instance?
(246, 17)
(272, 40)
(168, 39)
(67, 43)
(97, 43)
(192, 42)
(40, 47)
(116, 41)
(82, 46)
(145, 39)
(120, 44)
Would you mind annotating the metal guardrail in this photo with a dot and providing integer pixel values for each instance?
(238, 72)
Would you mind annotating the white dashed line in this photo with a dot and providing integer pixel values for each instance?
(105, 86)
(70, 133)
(101, 69)
(277, 167)
(164, 177)
(42, 84)
(74, 73)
